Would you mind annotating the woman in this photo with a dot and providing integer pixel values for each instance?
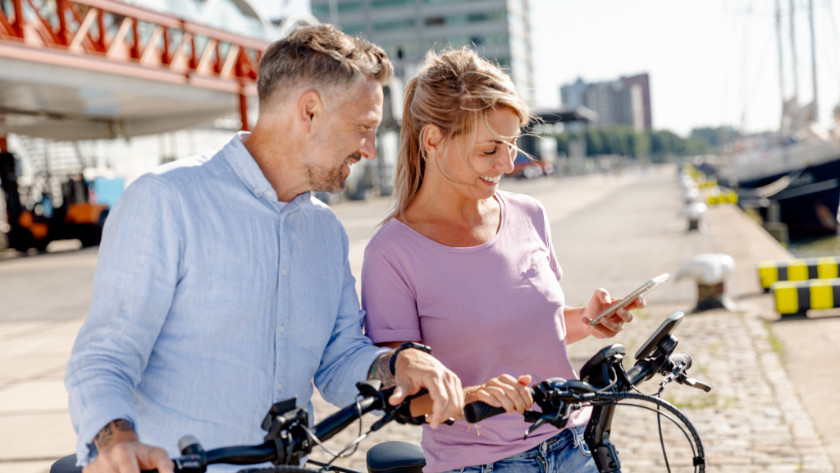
(469, 270)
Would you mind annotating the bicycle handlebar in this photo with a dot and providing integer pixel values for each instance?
(604, 383)
(289, 437)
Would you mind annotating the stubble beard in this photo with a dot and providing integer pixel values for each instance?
(327, 180)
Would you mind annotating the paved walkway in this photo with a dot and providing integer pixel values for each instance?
(610, 231)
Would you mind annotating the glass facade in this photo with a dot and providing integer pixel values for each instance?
(497, 29)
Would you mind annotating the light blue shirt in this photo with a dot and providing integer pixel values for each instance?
(212, 300)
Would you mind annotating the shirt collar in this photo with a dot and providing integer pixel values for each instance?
(249, 172)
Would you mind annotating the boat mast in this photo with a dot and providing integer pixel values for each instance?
(781, 54)
(813, 59)
(793, 52)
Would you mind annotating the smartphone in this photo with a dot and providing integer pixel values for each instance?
(639, 291)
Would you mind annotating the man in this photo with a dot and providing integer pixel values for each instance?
(222, 286)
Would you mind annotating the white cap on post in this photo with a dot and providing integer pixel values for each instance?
(710, 271)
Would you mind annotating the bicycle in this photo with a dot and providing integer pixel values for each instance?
(604, 384)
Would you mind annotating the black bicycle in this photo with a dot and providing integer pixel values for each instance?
(604, 384)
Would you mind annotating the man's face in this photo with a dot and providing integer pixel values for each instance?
(346, 134)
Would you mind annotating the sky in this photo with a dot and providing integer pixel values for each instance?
(711, 62)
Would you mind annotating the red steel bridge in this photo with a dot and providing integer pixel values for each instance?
(90, 69)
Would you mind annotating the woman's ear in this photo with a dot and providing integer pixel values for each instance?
(431, 137)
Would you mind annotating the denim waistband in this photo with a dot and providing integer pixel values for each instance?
(572, 435)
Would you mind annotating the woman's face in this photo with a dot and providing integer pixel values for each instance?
(475, 162)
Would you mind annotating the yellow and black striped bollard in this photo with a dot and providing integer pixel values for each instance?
(797, 297)
(770, 272)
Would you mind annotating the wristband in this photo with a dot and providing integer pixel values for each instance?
(415, 345)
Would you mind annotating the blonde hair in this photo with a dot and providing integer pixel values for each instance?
(319, 56)
(452, 91)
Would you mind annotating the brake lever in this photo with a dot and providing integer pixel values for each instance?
(542, 420)
(691, 382)
(558, 419)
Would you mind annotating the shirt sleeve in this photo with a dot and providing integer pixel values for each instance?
(135, 280)
(388, 299)
(349, 354)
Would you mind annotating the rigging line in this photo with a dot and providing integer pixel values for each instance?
(744, 60)
(830, 50)
(750, 94)
(730, 84)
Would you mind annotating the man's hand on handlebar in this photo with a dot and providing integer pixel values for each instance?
(120, 451)
(415, 369)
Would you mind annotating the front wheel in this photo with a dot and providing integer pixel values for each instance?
(20, 239)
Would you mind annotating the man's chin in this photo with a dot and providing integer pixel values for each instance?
(332, 189)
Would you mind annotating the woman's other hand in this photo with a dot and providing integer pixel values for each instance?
(608, 326)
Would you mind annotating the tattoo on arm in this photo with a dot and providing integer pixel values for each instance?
(381, 370)
(105, 436)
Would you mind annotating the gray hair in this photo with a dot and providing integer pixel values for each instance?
(320, 56)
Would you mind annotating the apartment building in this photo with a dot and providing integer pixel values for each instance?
(624, 101)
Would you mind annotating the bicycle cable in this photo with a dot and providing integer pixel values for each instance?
(691, 433)
(354, 445)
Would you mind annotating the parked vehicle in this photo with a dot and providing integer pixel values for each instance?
(49, 213)
(525, 167)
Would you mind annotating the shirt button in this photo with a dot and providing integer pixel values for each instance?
(284, 271)
(280, 387)
(282, 329)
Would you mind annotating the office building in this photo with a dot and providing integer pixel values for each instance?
(621, 102)
(497, 29)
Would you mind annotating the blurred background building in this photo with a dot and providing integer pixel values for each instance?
(623, 101)
(499, 30)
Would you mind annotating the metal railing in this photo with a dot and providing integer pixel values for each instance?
(115, 37)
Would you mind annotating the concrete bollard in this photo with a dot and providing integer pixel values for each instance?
(709, 270)
(694, 212)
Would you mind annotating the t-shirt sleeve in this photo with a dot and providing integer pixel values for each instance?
(388, 299)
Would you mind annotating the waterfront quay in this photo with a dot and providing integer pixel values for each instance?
(773, 406)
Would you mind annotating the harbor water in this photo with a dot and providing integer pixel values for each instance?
(812, 248)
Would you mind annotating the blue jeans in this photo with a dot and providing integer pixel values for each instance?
(566, 452)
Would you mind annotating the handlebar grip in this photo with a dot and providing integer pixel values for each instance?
(477, 411)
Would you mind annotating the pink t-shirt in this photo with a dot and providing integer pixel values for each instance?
(485, 310)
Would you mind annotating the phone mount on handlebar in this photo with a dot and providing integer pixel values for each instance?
(284, 424)
(662, 333)
(287, 425)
